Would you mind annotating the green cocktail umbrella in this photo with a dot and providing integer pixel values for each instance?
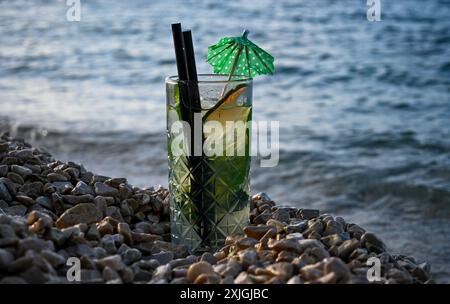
(239, 56)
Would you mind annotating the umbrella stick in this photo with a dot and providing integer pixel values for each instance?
(244, 35)
(231, 72)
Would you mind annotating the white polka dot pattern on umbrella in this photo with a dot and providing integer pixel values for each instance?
(239, 56)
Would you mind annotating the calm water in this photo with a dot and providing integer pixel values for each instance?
(364, 107)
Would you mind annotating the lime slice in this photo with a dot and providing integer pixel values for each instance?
(228, 111)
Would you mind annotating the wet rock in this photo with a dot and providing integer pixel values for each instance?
(422, 272)
(261, 196)
(23, 154)
(283, 270)
(58, 177)
(44, 202)
(372, 243)
(295, 236)
(355, 231)
(63, 187)
(347, 247)
(21, 170)
(81, 213)
(314, 226)
(6, 258)
(307, 214)
(15, 178)
(56, 236)
(125, 230)
(125, 191)
(34, 244)
(399, 276)
(179, 251)
(114, 212)
(281, 215)
(286, 256)
(56, 260)
(279, 226)
(308, 243)
(105, 190)
(18, 210)
(338, 267)
(230, 269)
(297, 226)
(208, 257)
(319, 253)
(207, 279)
(101, 204)
(333, 227)
(284, 245)
(39, 221)
(332, 240)
(13, 280)
(295, 280)
(115, 182)
(82, 188)
(247, 257)
(105, 228)
(182, 262)
(3, 170)
(245, 243)
(77, 199)
(156, 203)
(20, 264)
(262, 218)
(25, 200)
(163, 257)
(131, 255)
(93, 234)
(109, 274)
(4, 147)
(145, 237)
(127, 275)
(243, 278)
(125, 209)
(163, 272)
(114, 262)
(33, 189)
(33, 275)
(312, 272)
(4, 193)
(6, 231)
(256, 232)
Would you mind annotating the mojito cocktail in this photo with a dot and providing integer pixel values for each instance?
(209, 191)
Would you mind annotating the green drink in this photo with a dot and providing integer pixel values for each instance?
(209, 192)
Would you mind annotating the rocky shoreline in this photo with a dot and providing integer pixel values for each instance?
(51, 211)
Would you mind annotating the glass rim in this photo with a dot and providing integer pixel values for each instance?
(242, 78)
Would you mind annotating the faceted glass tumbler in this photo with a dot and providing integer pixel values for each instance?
(209, 188)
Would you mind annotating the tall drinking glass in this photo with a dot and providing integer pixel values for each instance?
(210, 190)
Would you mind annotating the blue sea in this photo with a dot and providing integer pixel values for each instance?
(364, 107)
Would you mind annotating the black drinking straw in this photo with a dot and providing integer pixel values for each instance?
(182, 69)
(190, 104)
(197, 161)
(194, 93)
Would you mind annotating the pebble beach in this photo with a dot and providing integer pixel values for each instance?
(51, 211)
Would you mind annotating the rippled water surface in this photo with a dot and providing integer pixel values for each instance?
(364, 108)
